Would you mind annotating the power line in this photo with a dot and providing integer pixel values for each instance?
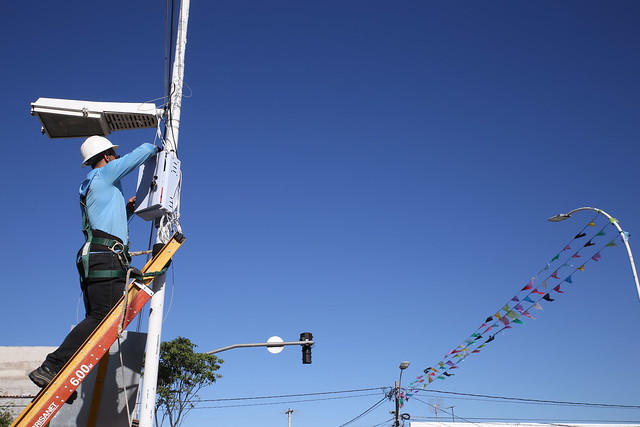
(469, 396)
(284, 402)
(384, 422)
(445, 411)
(374, 406)
(290, 395)
(547, 421)
(540, 401)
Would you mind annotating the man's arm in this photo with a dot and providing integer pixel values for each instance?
(117, 169)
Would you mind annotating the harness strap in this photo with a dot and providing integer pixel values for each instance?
(118, 248)
(102, 274)
(112, 244)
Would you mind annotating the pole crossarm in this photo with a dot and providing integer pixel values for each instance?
(261, 344)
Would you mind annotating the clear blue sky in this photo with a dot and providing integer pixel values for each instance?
(377, 173)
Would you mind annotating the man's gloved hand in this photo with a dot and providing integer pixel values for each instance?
(131, 205)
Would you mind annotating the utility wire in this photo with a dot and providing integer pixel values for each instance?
(540, 401)
(446, 412)
(374, 406)
(469, 395)
(284, 402)
(290, 395)
(383, 423)
(546, 421)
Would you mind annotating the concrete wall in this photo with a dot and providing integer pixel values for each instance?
(16, 389)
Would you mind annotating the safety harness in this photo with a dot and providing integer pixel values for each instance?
(118, 248)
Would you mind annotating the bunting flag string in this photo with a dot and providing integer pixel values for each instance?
(519, 306)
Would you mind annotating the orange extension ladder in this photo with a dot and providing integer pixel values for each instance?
(51, 398)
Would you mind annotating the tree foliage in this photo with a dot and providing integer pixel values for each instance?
(182, 373)
(5, 417)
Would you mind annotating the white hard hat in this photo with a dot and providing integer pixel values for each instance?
(94, 145)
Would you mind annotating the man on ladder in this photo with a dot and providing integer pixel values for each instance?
(103, 260)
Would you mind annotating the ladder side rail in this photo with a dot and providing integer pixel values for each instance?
(51, 398)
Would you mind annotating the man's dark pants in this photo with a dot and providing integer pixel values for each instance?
(100, 295)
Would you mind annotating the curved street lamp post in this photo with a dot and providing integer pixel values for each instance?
(623, 234)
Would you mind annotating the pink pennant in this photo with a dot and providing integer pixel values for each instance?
(557, 289)
(596, 257)
(535, 291)
(526, 313)
(576, 255)
(527, 287)
(566, 248)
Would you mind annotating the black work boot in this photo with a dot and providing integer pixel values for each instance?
(42, 376)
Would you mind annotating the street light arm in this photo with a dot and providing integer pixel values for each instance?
(563, 216)
(261, 344)
(623, 234)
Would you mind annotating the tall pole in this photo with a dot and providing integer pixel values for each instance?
(453, 417)
(289, 412)
(403, 365)
(397, 414)
(623, 234)
(156, 310)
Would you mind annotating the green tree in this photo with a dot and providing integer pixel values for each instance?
(182, 373)
(5, 417)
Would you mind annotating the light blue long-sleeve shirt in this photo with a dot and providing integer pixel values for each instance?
(105, 203)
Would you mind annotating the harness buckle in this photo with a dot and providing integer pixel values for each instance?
(117, 248)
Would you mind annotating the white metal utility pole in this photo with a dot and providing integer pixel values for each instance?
(289, 412)
(156, 310)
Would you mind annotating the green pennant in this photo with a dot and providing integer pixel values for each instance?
(611, 243)
(601, 233)
(518, 321)
(512, 314)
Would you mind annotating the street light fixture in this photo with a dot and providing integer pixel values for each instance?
(623, 234)
(68, 118)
